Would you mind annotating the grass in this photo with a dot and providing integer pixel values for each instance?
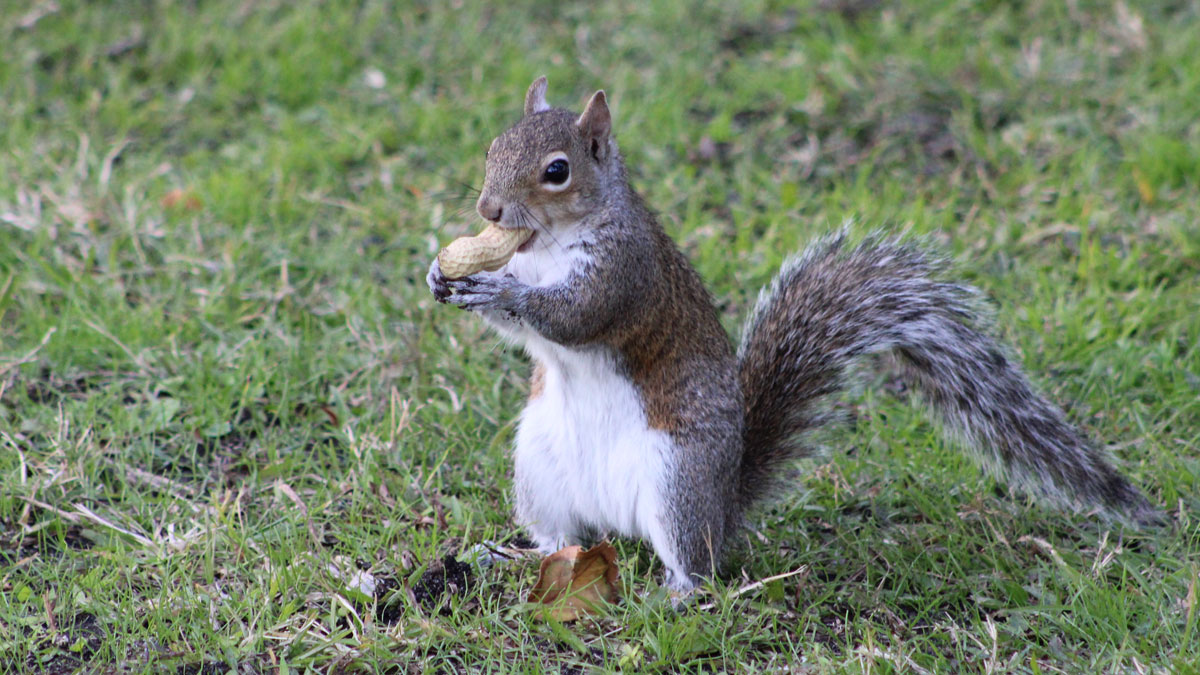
(224, 387)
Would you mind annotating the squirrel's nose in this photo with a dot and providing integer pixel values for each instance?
(490, 209)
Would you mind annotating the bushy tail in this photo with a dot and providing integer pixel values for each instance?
(834, 304)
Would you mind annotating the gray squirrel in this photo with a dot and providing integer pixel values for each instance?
(642, 420)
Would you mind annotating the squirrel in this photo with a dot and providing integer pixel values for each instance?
(642, 419)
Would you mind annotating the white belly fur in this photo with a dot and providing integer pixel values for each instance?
(586, 458)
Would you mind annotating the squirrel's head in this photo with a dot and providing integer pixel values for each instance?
(552, 167)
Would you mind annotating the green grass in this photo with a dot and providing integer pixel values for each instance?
(209, 407)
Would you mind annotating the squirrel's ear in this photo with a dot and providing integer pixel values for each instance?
(535, 98)
(595, 124)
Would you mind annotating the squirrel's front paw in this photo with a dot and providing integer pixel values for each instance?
(437, 282)
(484, 292)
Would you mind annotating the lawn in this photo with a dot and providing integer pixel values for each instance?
(238, 434)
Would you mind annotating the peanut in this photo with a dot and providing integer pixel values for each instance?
(489, 250)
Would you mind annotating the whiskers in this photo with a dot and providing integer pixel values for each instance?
(458, 200)
(523, 217)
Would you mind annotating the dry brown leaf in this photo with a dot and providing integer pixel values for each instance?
(185, 200)
(577, 582)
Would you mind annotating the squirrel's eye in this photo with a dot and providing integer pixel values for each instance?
(557, 172)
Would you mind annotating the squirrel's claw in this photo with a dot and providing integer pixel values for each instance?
(437, 282)
(482, 292)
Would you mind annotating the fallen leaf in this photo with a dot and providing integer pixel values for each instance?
(181, 199)
(577, 582)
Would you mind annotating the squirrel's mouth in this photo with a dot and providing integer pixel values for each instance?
(528, 242)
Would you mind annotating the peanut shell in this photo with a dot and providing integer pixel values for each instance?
(489, 250)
